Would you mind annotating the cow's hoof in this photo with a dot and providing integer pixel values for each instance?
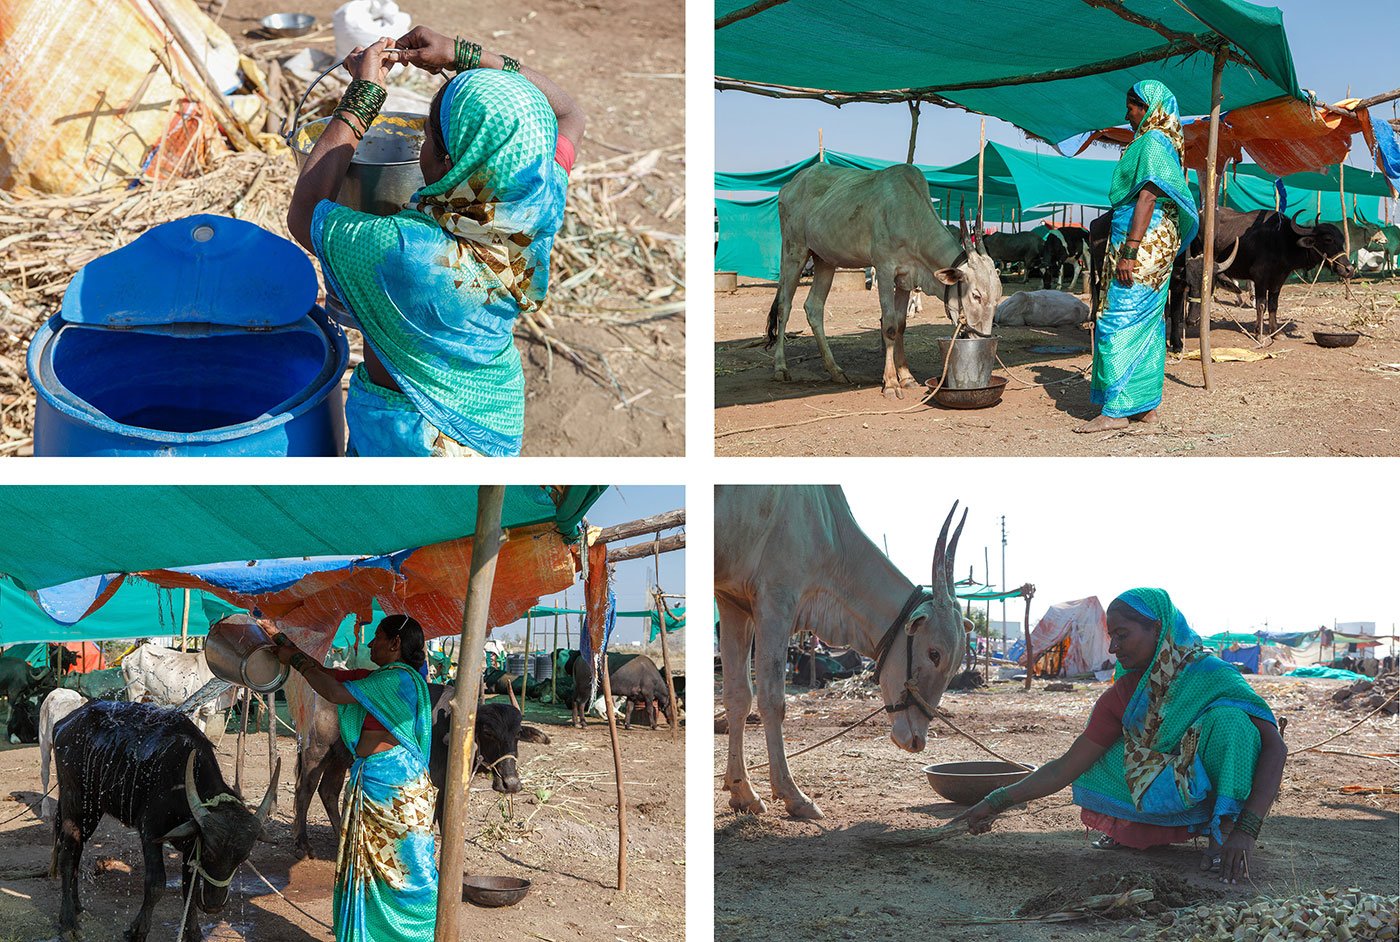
(910, 382)
(892, 393)
(840, 377)
(756, 806)
(782, 376)
(303, 852)
(805, 811)
(14, 740)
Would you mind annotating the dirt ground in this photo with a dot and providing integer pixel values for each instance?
(565, 842)
(1306, 400)
(623, 63)
(781, 879)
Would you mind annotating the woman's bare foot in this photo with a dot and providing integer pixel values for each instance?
(1149, 416)
(1102, 423)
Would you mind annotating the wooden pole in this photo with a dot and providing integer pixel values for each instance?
(529, 665)
(1208, 269)
(981, 163)
(1342, 198)
(485, 546)
(1030, 659)
(821, 148)
(637, 550)
(245, 694)
(617, 774)
(269, 701)
(913, 129)
(811, 660)
(185, 624)
(656, 522)
(554, 664)
(665, 651)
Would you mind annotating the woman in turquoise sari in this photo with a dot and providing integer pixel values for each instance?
(1179, 746)
(436, 288)
(1154, 218)
(385, 875)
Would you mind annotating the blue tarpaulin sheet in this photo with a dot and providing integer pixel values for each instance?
(1247, 657)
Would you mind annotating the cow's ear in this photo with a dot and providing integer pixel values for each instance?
(949, 276)
(914, 624)
(967, 626)
(1307, 241)
(531, 734)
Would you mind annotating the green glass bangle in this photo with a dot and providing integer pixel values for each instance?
(337, 116)
(999, 800)
(509, 65)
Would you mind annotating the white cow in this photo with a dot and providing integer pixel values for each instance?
(1042, 309)
(56, 706)
(167, 677)
(790, 559)
(882, 219)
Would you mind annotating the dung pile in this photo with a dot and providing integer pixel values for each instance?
(1367, 695)
(1165, 891)
(1333, 913)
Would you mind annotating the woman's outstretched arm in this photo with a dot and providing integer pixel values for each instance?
(433, 52)
(1268, 775)
(1046, 780)
(328, 161)
(320, 680)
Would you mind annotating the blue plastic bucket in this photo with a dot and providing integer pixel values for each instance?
(202, 338)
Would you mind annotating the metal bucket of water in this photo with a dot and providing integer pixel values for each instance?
(384, 172)
(970, 365)
(240, 652)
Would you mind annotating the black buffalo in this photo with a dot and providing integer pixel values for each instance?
(1015, 248)
(23, 725)
(1272, 247)
(631, 676)
(19, 678)
(324, 759)
(153, 770)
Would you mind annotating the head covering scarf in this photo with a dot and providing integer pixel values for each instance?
(1156, 156)
(1162, 730)
(436, 288)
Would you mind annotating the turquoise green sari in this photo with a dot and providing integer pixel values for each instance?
(1130, 336)
(1189, 748)
(385, 875)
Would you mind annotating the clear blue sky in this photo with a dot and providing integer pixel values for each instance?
(1335, 44)
(632, 579)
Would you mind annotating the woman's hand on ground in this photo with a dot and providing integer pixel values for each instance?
(371, 64)
(978, 818)
(1234, 857)
(428, 50)
(1123, 274)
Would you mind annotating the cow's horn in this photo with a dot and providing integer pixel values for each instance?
(1293, 222)
(962, 223)
(265, 808)
(940, 569)
(953, 550)
(197, 808)
(1221, 266)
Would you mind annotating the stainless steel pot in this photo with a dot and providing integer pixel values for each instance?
(971, 363)
(240, 652)
(384, 172)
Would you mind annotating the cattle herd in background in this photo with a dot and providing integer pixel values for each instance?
(113, 755)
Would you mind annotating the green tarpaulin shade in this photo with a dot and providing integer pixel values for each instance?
(137, 609)
(51, 535)
(750, 239)
(1226, 638)
(675, 617)
(1082, 58)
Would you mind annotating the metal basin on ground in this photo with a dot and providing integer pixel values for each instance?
(202, 337)
(1335, 338)
(287, 25)
(988, 395)
(494, 891)
(967, 783)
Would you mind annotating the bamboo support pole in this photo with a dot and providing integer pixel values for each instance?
(617, 774)
(185, 624)
(1342, 198)
(665, 651)
(1210, 198)
(270, 703)
(1028, 593)
(913, 134)
(981, 164)
(554, 664)
(529, 667)
(637, 550)
(486, 545)
(244, 696)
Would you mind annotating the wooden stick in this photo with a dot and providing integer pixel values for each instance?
(245, 693)
(1030, 658)
(554, 664)
(661, 612)
(269, 701)
(1210, 197)
(913, 129)
(743, 13)
(185, 624)
(981, 161)
(529, 667)
(653, 524)
(617, 774)
(1349, 728)
(665, 545)
(486, 545)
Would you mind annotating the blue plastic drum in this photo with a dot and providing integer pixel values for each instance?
(202, 337)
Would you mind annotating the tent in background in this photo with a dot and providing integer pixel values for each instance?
(1073, 636)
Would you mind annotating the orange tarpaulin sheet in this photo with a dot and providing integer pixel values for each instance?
(1283, 136)
(430, 586)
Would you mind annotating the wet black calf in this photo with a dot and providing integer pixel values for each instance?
(153, 770)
